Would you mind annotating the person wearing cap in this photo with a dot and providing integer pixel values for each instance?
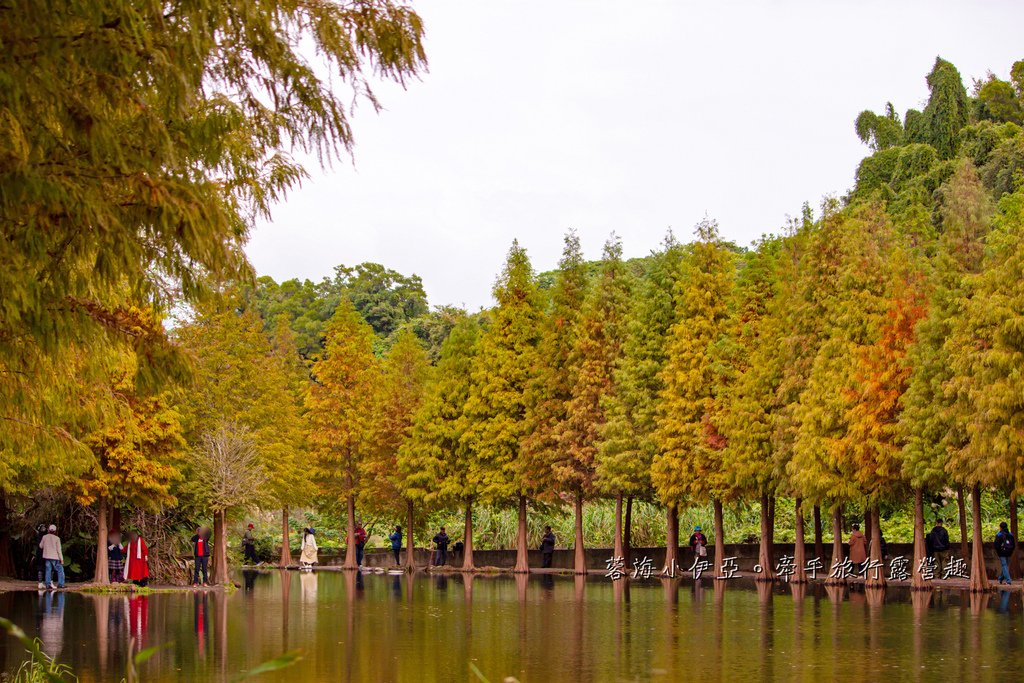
(698, 542)
(249, 546)
(53, 557)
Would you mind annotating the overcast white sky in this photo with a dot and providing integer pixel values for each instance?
(541, 115)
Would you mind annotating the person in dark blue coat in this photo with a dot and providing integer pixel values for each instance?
(396, 544)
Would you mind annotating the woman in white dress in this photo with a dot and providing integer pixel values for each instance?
(308, 557)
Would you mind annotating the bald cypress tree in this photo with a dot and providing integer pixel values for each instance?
(628, 446)
(688, 466)
(340, 412)
(434, 463)
(595, 357)
(507, 362)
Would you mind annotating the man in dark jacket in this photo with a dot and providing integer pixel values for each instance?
(441, 544)
(201, 555)
(939, 544)
(1005, 545)
(547, 546)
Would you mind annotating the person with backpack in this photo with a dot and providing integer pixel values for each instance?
(360, 540)
(939, 544)
(1005, 545)
(441, 544)
(396, 545)
(698, 542)
(547, 547)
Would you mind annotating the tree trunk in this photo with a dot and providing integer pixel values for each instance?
(819, 545)
(917, 579)
(719, 536)
(410, 546)
(522, 554)
(627, 532)
(837, 544)
(6, 559)
(350, 534)
(799, 547)
(771, 523)
(672, 541)
(286, 542)
(965, 551)
(580, 556)
(979, 575)
(618, 549)
(1015, 570)
(102, 573)
(764, 555)
(467, 539)
(220, 548)
(875, 577)
(867, 529)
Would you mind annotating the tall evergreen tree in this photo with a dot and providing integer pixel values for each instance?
(340, 411)
(434, 463)
(496, 410)
(688, 466)
(595, 357)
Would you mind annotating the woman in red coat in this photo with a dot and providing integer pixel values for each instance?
(136, 560)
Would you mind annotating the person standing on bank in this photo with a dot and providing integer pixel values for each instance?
(1005, 545)
(136, 561)
(201, 554)
(441, 544)
(698, 542)
(361, 537)
(547, 547)
(858, 546)
(53, 557)
(396, 544)
(307, 557)
(249, 546)
(115, 557)
(939, 544)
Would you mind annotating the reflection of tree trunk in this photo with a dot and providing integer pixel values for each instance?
(979, 575)
(220, 604)
(917, 579)
(627, 532)
(819, 545)
(350, 624)
(522, 556)
(618, 549)
(965, 551)
(1015, 571)
(350, 531)
(919, 602)
(467, 539)
(220, 548)
(410, 546)
(6, 560)
(286, 541)
(799, 546)
(719, 536)
(875, 577)
(580, 556)
(101, 605)
(102, 573)
(672, 540)
(837, 543)
(764, 555)
(286, 590)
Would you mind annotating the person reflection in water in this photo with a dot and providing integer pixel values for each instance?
(201, 612)
(51, 626)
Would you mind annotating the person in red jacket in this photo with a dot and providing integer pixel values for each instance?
(360, 542)
(136, 561)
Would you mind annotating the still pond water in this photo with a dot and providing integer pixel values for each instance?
(394, 628)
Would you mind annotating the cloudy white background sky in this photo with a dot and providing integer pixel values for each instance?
(634, 117)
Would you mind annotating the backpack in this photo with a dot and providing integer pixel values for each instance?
(1006, 544)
